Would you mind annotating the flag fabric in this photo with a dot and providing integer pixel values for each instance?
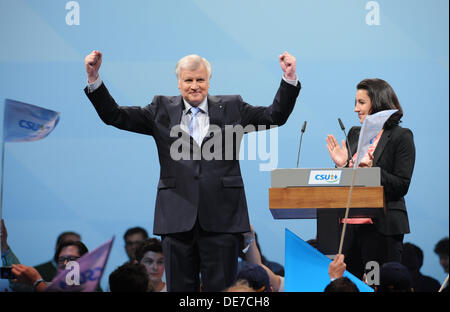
(372, 125)
(25, 122)
(306, 268)
(86, 274)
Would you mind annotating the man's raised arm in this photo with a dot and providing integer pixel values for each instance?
(92, 62)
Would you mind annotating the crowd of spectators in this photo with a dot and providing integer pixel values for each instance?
(144, 269)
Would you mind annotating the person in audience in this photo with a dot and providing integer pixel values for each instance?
(249, 237)
(69, 251)
(10, 259)
(240, 286)
(149, 253)
(27, 275)
(256, 277)
(129, 277)
(441, 249)
(394, 277)
(253, 256)
(66, 251)
(339, 283)
(275, 267)
(133, 237)
(412, 258)
(342, 284)
(48, 269)
(337, 267)
(312, 242)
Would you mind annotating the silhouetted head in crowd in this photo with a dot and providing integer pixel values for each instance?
(133, 237)
(441, 249)
(342, 284)
(239, 286)
(412, 257)
(312, 242)
(69, 251)
(394, 277)
(256, 276)
(130, 277)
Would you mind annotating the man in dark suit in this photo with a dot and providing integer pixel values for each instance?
(201, 210)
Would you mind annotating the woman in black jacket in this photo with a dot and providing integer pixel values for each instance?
(380, 238)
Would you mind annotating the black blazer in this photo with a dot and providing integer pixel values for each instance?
(395, 154)
(211, 191)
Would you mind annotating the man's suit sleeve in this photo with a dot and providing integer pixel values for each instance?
(277, 113)
(130, 118)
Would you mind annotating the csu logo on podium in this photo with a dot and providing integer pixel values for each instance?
(324, 177)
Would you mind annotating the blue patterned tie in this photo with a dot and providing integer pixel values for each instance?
(193, 124)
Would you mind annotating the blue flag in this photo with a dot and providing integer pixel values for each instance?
(25, 122)
(306, 268)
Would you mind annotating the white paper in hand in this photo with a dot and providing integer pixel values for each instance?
(372, 125)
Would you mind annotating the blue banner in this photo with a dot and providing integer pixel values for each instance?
(306, 268)
(25, 122)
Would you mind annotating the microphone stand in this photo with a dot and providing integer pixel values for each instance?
(301, 138)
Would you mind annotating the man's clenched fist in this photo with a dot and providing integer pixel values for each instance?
(92, 63)
(287, 63)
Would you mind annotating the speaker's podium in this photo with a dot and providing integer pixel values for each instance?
(322, 194)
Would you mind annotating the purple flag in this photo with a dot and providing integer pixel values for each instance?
(84, 274)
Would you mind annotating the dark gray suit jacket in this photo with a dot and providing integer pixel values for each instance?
(211, 191)
(395, 154)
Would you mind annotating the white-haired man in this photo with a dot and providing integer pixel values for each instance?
(201, 210)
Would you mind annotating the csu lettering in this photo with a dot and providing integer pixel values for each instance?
(325, 177)
(30, 125)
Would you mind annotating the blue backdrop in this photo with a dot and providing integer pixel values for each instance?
(99, 181)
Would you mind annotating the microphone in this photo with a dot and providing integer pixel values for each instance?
(300, 145)
(346, 139)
